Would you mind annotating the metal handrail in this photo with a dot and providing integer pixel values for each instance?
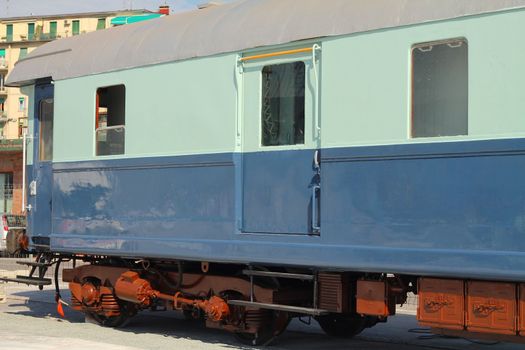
(111, 127)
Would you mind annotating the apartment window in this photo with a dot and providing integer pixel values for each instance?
(440, 89)
(6, 192)
(46, 129)
(53, 30)
(30, 31)
(76, 27)
(21, 104)
(283, 104)
(110, 120)
(101, 23)
(9, 32)
(23, 53)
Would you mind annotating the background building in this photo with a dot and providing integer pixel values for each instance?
(18, 37)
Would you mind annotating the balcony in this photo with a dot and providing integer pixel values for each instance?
(35, 37)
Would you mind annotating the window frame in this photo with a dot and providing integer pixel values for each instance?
(22, 53)
(261, 111)
(99, 21)
(75, 27)
(97, 119)
(22, 104)
(9, 32)
(40, 128)
(31, 31)
(53, 29)
(420, 45)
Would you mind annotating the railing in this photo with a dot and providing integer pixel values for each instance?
(38, 36)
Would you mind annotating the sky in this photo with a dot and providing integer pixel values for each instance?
(20, 8)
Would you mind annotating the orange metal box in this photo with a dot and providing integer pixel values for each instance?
(441, 303)
(522, 310)
(373, 299)
(492, 307)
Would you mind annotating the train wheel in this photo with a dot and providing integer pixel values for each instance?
(125, 312)
(108, 321)
(342, 326)
(269, 324)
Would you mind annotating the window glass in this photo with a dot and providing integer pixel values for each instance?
(283, 104)
(30, 31)
(52, 30)
(21, 104)
(9, 32)
(46, 129)
(23, 53)
(440, 89)
(6, 192)
(110, 120)
(101, 23)
(76, 27)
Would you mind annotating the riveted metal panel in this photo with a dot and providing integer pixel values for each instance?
(491, 307)
(441, 303)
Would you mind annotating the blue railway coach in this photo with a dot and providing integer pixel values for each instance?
(264, 159)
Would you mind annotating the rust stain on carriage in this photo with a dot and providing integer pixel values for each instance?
(441, 303)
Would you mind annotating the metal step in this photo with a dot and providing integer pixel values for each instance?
(297, 276)
(288, 308)
(34, 281)
(32, 263)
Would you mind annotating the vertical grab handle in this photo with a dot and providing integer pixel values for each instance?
(316, 227)
(24, 160)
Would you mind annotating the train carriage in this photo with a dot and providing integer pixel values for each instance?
(265, 159)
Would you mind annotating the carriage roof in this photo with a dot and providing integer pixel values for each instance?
(232, 27)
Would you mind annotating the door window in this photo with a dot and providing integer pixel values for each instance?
(283, 102)
(46, 129)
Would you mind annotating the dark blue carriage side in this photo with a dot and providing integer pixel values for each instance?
(449, 209)
(40, 175)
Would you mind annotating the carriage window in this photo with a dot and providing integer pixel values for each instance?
(282, 114)
(46, 129)
(440, 89)
(110, 120)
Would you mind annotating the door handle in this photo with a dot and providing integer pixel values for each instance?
(316, 227)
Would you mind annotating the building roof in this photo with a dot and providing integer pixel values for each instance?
(71, 15)
(232, 27)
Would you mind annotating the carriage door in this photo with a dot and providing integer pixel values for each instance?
(41, 183)
(280, 141)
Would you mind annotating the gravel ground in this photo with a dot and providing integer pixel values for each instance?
(29, 321)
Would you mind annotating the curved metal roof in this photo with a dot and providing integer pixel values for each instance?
(232, 27)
